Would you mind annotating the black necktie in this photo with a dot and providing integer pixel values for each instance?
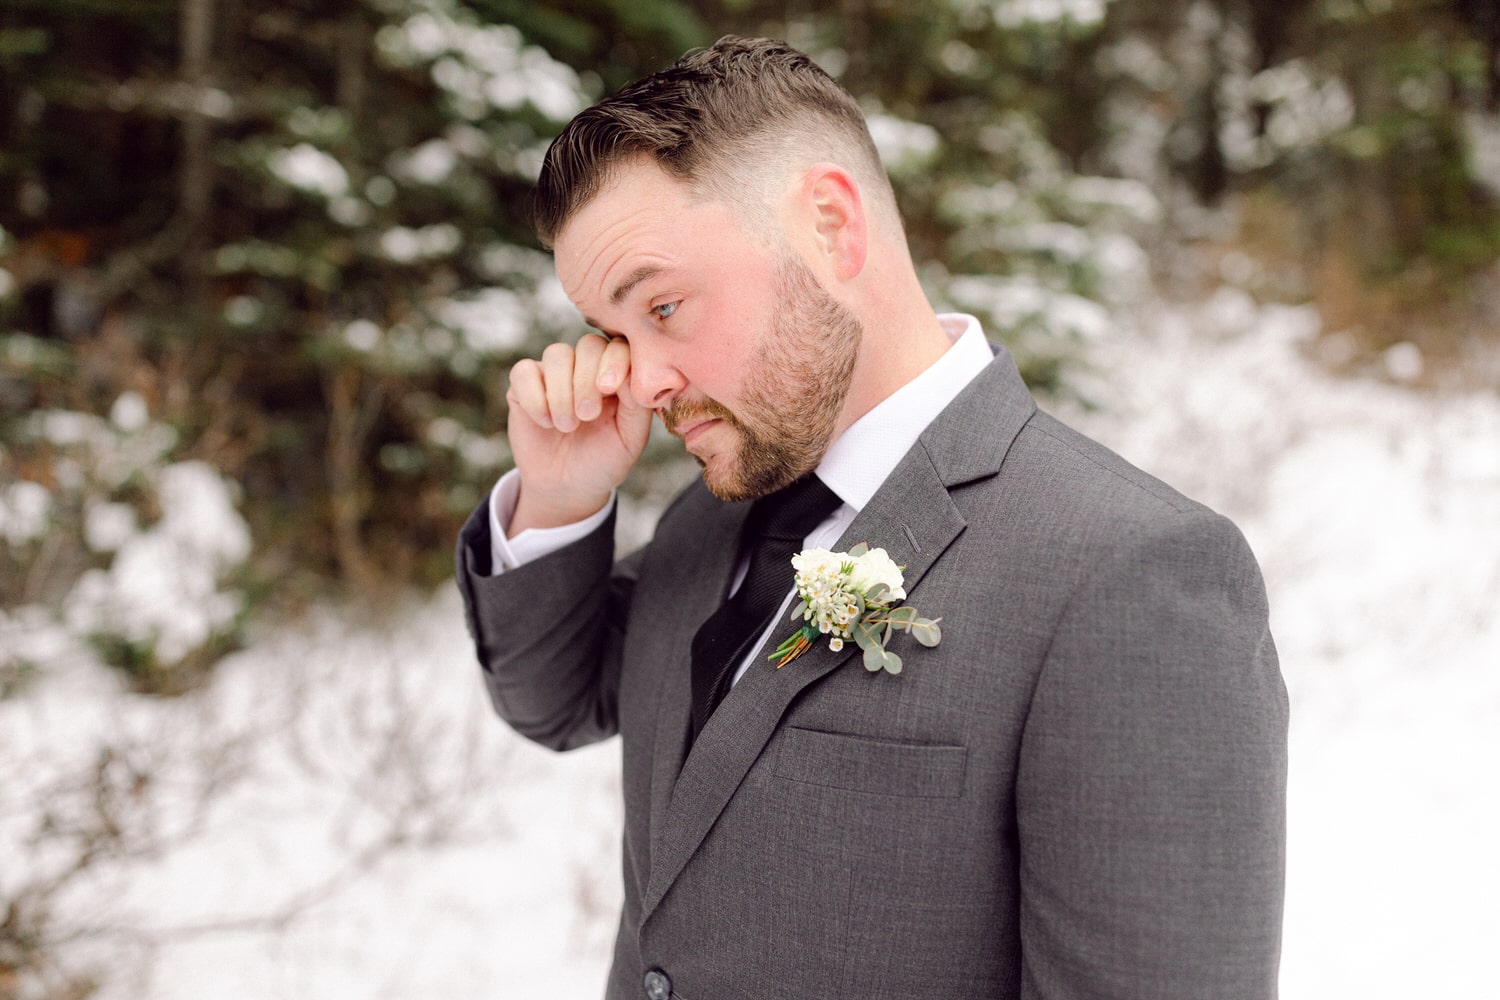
(775, 529)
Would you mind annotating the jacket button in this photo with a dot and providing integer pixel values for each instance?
(658, 986)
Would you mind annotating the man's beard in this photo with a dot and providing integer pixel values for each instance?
(792, 404)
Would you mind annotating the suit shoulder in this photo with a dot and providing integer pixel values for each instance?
(1075, 502)
(1071, 460)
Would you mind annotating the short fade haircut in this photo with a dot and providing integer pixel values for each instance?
(717, 118)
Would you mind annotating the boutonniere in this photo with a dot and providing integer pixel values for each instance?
(848, 595)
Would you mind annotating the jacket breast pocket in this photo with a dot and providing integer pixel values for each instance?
(863, 764)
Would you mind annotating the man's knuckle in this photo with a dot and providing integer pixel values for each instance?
(521, 376)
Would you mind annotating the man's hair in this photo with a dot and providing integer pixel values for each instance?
(719, 118)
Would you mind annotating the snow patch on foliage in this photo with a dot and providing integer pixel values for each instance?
(159, 595)
(1024, 302)
(25, 512)
(1020, 13)
(97, 449)
(162, 591)
(904, 146)
(432, 162)
(490, 320)
(309, 169)
(406, 245)
(482, 67)
(1483, 132)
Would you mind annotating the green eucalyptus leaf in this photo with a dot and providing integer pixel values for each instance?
(799, 611)
(927, 632)
(873, 594)
(865, 636)
(874, 658)
(902, 617)
(859, 550)
(892, 663)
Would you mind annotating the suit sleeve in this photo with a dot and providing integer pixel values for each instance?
(1151, 791)
(548, 634)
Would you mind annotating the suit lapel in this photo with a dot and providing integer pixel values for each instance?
(913, 517)
(714, 536)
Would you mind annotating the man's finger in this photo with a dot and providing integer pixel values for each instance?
(614, 366)
(586, 394)
(526, 392)
(557, 381)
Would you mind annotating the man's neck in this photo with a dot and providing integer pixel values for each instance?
(892, 353)
(861, 457)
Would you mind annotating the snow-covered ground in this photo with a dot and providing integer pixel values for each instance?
(337, 814)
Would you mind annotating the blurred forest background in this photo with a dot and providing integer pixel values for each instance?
(263, 265)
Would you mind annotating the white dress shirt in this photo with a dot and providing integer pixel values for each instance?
(854, 467)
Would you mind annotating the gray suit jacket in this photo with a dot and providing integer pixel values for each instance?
(1080, 793)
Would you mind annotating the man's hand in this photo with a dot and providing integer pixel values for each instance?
(574, 429)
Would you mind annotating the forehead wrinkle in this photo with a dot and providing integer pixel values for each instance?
(604, 248)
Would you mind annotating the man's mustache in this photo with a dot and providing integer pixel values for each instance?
(685, 411)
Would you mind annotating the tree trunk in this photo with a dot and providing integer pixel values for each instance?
(195, 180)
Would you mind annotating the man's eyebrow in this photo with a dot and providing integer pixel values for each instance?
(637, 276)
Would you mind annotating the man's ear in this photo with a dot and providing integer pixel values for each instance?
(832, 197)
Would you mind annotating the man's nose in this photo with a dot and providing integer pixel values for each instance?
(654, 381)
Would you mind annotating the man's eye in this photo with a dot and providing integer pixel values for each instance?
(665, 309)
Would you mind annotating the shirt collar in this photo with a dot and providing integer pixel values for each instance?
(864, 456)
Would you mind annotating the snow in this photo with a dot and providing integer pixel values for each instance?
(1019, 13)
(432, 162)
(490, 320)
(405, 245)
(1483, 134)
(1022, 300)
(163, 586)
(25, 511)
(309, 169)
(1129, 198)
(348, 211)
(107, 526)
(482, 67)
(338, 815)
(112, 452)
(904, 146)
(247, 310)
(362, 335)
(369, 831)
(129, 411)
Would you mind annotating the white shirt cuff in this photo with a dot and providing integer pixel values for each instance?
(533, 543)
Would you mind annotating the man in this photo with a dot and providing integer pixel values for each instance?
(1078, 793)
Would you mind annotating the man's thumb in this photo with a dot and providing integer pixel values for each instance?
(631, 415)
(629, 408)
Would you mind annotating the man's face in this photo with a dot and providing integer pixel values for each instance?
(741, 351)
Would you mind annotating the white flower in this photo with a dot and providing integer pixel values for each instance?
(876, 567)
(817, 562)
